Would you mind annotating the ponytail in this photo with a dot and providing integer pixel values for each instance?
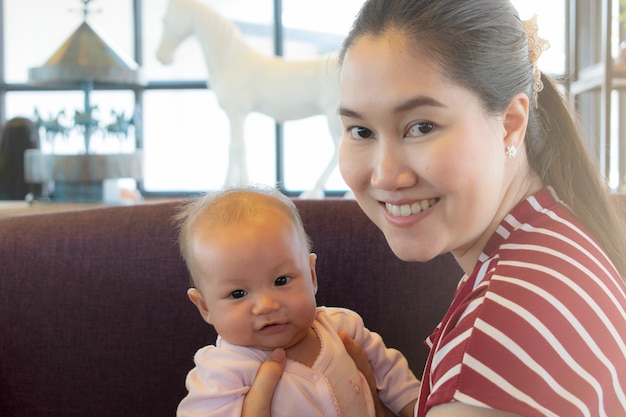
(557, 153)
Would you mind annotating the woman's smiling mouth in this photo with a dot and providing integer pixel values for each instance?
(405, 210)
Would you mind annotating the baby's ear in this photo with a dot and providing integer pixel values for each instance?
(312, 260)
(196, 298)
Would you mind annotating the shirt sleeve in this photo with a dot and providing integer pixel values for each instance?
(216, 387)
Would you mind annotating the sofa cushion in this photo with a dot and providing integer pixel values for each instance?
(95, 320)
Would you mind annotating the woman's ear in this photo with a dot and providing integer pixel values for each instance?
(196, 298)
(516, 121)
(312, 260)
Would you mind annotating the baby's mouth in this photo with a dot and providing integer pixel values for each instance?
(405, 210)
(270, 326)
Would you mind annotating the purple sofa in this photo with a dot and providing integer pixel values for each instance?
(95, 320)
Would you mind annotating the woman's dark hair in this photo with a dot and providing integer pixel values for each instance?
(482, 45)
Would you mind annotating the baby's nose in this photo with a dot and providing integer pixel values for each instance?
(265, 303)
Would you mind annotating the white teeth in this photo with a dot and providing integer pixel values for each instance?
(408, 209)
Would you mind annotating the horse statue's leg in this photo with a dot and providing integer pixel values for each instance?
(317, 192)
(237, 173)
(50, 138)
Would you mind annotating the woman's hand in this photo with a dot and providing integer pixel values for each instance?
(258, 401)
(363, 364)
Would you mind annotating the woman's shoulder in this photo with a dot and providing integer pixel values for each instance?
(525, 326)
(543, 237)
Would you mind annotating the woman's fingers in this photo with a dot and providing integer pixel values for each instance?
(363, 364)
(258, 400)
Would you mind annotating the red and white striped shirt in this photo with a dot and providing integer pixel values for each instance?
(538, 328)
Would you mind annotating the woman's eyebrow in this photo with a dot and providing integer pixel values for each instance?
(415, 102)
(410, 104)
(342, 111)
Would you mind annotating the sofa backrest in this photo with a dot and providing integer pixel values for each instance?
(94, 317)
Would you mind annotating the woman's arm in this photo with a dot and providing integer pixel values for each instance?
(258, 400)
(456, 409)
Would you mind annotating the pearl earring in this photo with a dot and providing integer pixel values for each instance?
(510, 151)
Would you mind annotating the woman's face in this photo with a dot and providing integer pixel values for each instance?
(423, 159)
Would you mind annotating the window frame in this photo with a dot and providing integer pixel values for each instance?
(139, 90)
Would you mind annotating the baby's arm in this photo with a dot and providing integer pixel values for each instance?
(365, 367)
(399, 388)
(217, 385)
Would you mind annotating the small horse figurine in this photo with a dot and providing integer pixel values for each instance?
(246, 81)
(86, 121)
(120, 125)
(52, 126)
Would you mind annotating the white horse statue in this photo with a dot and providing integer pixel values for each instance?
(246, 81)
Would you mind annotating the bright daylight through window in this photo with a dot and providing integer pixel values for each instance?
(183, 131)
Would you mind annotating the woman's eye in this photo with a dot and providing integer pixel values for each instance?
(361, 133)
(280, 281)
(238, 293)
(421, 128)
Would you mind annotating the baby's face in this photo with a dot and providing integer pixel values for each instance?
(257, 281)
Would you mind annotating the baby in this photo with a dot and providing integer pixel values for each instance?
(253, 277)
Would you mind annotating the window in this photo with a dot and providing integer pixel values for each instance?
(183, 131)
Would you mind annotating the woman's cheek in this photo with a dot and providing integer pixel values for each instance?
(349, 164)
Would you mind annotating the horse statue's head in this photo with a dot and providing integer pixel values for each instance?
(177, 26)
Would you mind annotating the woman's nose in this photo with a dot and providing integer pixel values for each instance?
(264, 304)
(391, 169)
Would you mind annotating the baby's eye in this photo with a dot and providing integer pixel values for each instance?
(280, 281)
(359, 132)
(238, 293)
(420, 128)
